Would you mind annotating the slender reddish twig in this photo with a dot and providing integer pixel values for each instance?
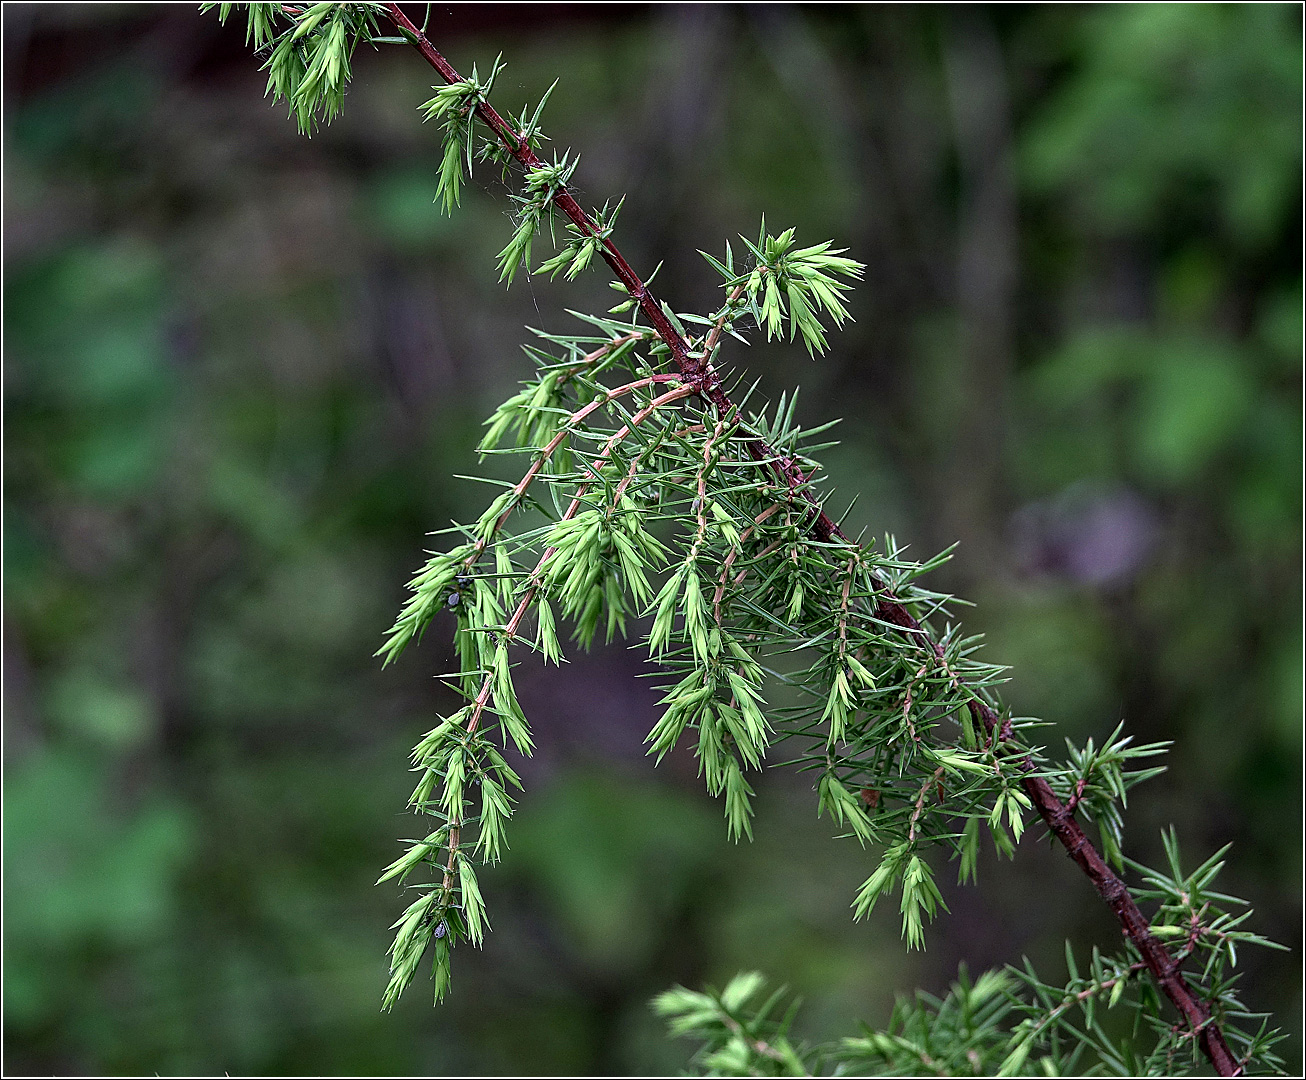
(514, 623)
(701, 378)
(567, 429)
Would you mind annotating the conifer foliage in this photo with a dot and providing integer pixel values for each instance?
(655, 500)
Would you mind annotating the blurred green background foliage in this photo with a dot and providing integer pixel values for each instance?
(242, 368)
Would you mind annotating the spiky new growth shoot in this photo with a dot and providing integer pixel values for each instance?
(784, 280)
(651, 503)
(308, 48)
(454, 105)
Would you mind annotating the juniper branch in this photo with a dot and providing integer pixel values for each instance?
(858, 592)
(695, 367)
(701, 377)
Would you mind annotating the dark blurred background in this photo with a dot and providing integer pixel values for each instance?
(242, 368)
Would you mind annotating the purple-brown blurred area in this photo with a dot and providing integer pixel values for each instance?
(242, 368)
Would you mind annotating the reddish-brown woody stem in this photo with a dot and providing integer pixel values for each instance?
(700, 378)
(693, 367)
